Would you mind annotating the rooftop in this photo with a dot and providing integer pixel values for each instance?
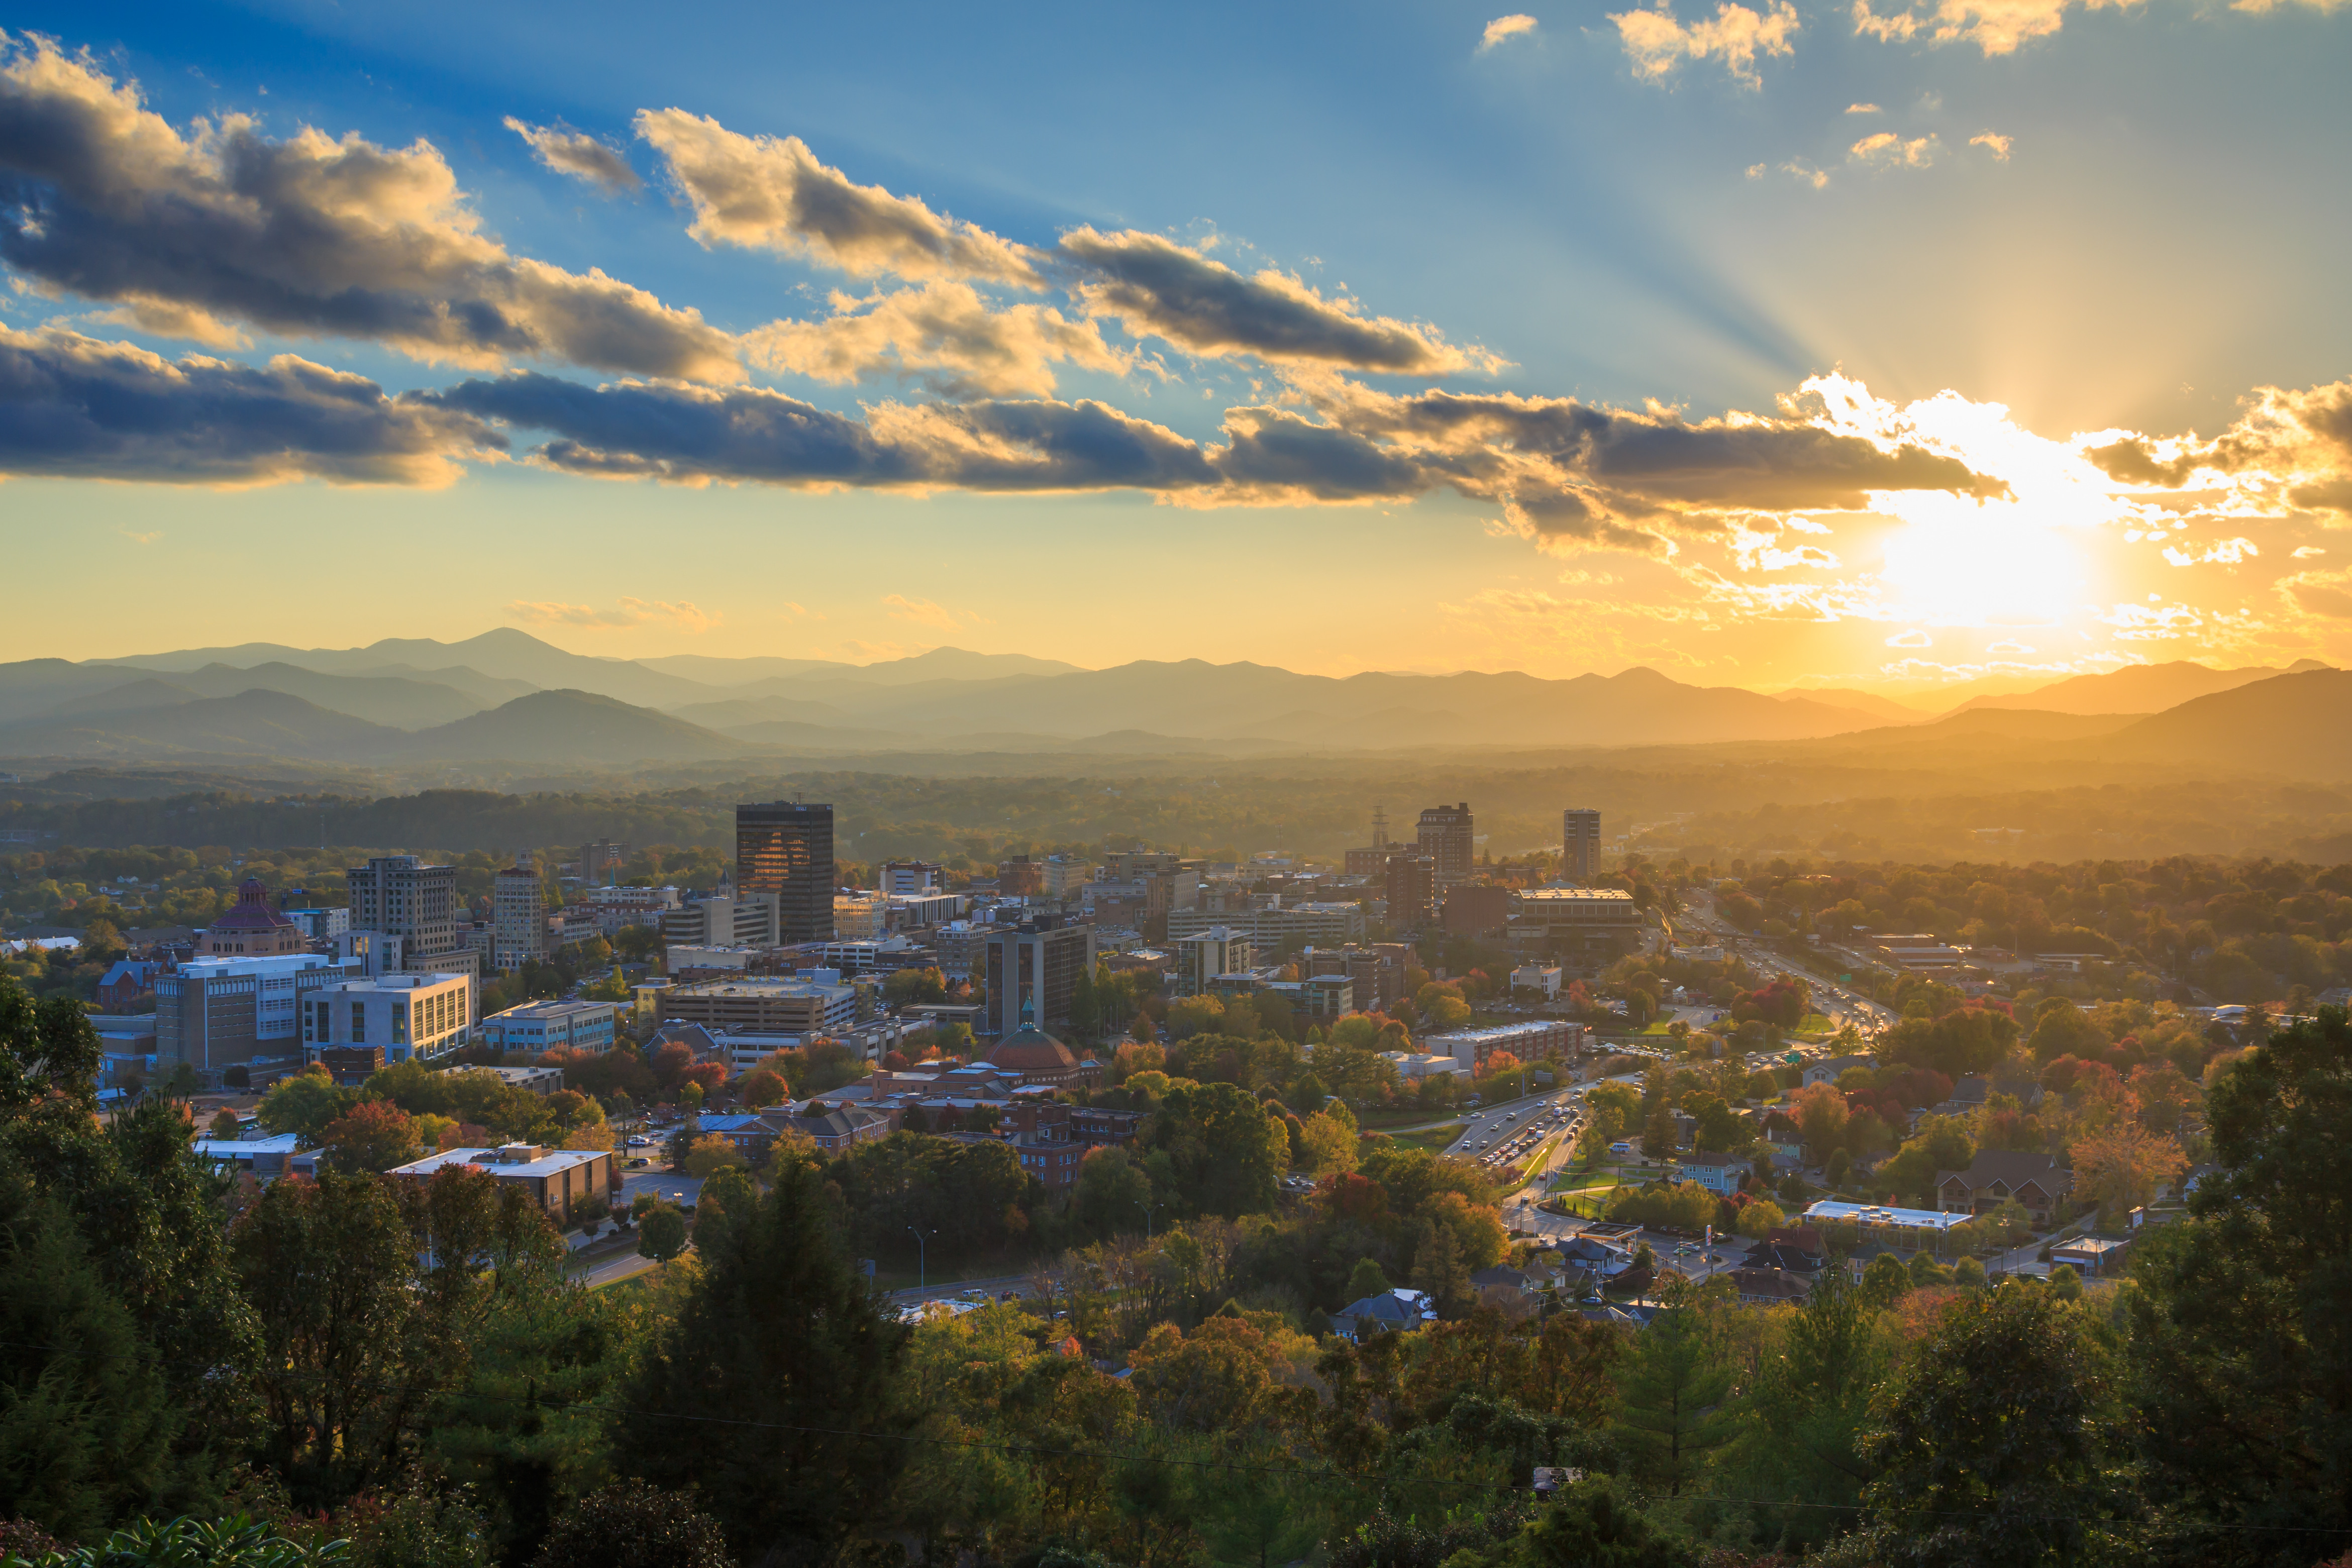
(550, 1162)
(1828, 1211)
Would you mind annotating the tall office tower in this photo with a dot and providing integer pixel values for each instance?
(601, 861)
(518, 916)
(1446, 837)
(402, 897)
(1037, 964)
(786, 849)
(1413, 890)
(1580, 846)
(910, 876)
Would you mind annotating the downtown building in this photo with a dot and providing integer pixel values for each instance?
(412, 909)
(786, 849)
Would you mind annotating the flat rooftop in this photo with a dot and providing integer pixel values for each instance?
(1882, 1214)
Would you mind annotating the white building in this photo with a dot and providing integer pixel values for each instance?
(1205, 955)
(424, 1015)
(1066, 875)
(1540, 978)
(1319, 925)
(909, 876)
(214, 1013)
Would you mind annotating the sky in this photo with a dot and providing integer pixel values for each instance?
(1768, 344)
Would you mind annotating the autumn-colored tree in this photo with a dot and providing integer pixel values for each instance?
(2126, 1166)
(373, 1137)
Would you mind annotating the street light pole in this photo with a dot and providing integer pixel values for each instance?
(922, 1263)
(1147, 1218)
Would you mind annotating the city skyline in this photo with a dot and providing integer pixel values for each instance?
(1764, 347)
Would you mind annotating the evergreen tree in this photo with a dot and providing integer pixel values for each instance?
(86, 1423)
(1673, 1386)
(771, 1389)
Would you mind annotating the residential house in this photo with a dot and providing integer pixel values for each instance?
(2091, 1254)
(843, 1128)
(1830, 1070)
(1390, 1311)
(1719, 1174)
(2036, 1182)
(1768, 1287)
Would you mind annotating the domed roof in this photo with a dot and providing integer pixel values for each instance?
(1031, 1049)
(252, 912)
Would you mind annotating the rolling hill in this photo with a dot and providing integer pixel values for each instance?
(561, 726)
(251, 724)
(2136, 688)
(2297, 724)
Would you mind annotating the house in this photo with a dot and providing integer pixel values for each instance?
(2036, 1182)
(1502, 1277)
(1766, 1255)
(1803, 1238)
(1390, 1311)
(1975, 1092)
(1836, 1068)
(129, 983)
(1719, 1174)
(1768, 1287)
(1858, 1262)
(1596, 1254)
(266, 1157)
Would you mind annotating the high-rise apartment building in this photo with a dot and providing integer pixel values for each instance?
(1411, 890)
(1446, 836)
(1580, 846)
(786, 848)
(518, 916)
(1035, 964)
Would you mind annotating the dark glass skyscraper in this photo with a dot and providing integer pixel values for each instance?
(787, 850)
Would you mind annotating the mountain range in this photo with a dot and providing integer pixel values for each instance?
(508, 696)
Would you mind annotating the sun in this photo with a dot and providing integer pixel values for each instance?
(1953, 562)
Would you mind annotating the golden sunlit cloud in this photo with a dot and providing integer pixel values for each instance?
(1993, 142)
(629, 612)
(1503, 27)
(1656, 41)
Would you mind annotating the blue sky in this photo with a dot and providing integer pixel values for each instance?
(2126, 224)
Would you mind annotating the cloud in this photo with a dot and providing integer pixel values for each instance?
(766, 193)
(628, 612)
(1914, 638)
(74, 407)
(2290, 448)
(2228, 552)
(1996, 27)
(2305, 553)
(1655, 42)
(943, 335)
(921, 611)
(1503, 27)
(1155, 287)
(580, 155)
(1816, 178)
(1993, 142)
(1887, 150)
(692, 435)
(306, 236)
(1864, 108)
(2264, 7)
(2328, 594)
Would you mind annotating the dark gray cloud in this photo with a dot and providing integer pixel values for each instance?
(74, 407)
(696, 434)
(1156, 289)
(197, 237)
(579, 155)
(2302, 440)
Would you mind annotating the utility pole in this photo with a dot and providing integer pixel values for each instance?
(1147, 1218)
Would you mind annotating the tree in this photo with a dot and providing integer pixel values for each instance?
(1112, 1193)
(711, 1152)
(2242, 1346)
(1658, 1132)
(87, 1427)
(1672, 1384)
(1884, 1283)
(1819, 1112)
(661, 1232)
(1438, 1269)
(1228, 1153)
(304, 1102)
(1991, 1444)
(629, 1525)
(372, 1136)
(1759, 1219)
(772, 1387)
(330, 1266)
(2066, 1030)
(1329, 1143)
(1367, 1278)
(915, 986)
(2126, 1166)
